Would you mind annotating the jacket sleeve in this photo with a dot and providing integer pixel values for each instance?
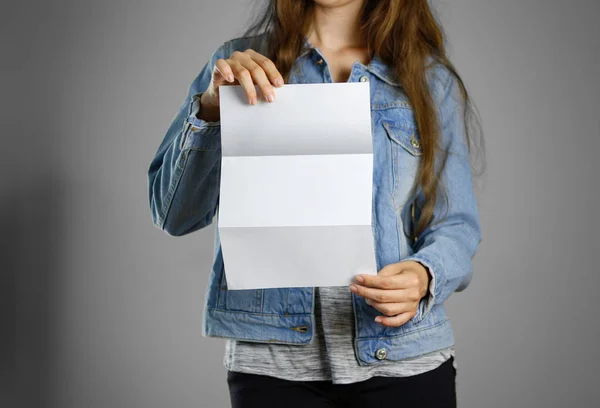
(184, 175)
(446, 247)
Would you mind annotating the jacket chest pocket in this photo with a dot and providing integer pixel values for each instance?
(405, 156)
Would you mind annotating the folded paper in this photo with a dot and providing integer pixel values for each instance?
(295, 201)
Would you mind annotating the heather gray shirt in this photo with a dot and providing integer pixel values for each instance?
(331, 356)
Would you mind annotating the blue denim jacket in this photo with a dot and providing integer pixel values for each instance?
(183, 183)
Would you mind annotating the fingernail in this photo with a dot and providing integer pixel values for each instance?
(230, 78)
(353, 288)
(367, 301)
(279, 81)
(378, 319)
(270, 97)
(253, 101)
(360, 279)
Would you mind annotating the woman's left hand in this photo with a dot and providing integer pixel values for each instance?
(395, 291)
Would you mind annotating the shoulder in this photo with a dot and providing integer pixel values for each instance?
(441, 79)
(256, 42)
(450, 103)
(445, 90)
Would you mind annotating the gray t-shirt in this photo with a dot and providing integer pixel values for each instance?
(331, 356)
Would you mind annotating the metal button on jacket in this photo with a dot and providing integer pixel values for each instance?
(415, 142)
(364, 78)
(381, 354)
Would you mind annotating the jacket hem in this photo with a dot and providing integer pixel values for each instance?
(259, 327)
(402, 347)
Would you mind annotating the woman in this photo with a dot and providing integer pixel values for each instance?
(386, 338)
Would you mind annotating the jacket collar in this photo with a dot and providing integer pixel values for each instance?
(376, 66)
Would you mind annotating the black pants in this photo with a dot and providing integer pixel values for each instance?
(433, 389)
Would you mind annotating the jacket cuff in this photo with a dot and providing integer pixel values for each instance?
(199, 134)
(436, 271)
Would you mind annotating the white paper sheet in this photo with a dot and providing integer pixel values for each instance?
(295, 200)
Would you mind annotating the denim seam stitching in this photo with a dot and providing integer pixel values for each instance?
(405, 333)
(179, 168)
(233, 311)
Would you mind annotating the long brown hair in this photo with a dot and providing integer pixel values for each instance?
(403, 34)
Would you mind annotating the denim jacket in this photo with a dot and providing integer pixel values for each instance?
(183, 184)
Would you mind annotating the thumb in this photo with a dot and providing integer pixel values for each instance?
(409, 265)
(388, 270)
(399, 267)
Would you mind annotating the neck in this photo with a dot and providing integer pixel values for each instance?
(336, 28)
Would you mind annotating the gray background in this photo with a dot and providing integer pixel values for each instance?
(101, 309)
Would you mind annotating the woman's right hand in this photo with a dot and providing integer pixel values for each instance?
(248, 68)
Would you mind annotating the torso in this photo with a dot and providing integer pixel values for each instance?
(396, 155)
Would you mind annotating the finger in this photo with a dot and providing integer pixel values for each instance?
(223, 69)
(397, 281)
(260, 78)
(269, 67)
(381, 279)
(395, 321)
(395, 268)
(386, 295)
(245, 79)
(391, 309)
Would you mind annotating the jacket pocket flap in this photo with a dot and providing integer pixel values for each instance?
(407, 138)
